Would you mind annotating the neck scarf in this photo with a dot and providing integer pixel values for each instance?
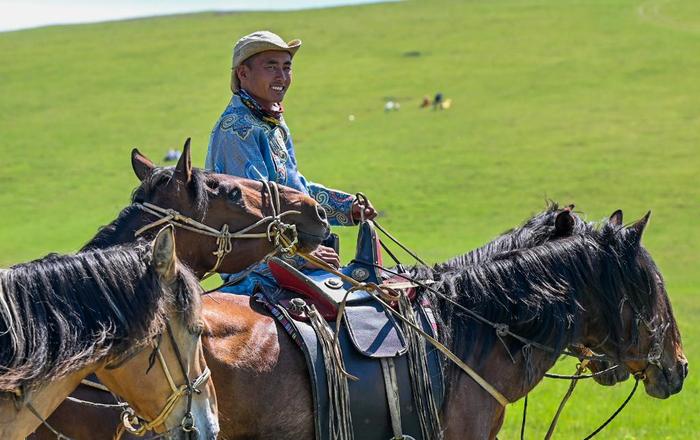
(271, 117)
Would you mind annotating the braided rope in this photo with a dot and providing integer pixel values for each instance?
(276, 228)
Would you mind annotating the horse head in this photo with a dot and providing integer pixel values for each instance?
(636, 325)
(177, 397)
(226, 205)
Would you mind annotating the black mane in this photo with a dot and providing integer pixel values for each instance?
(535, 231)
(62, 313)
(538, 291)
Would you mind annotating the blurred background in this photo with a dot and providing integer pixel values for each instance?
(595, 103)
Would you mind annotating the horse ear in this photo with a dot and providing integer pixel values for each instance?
(164, 257)
(141, 164)
(564, 223)
(639, 226)
(184, 165)
(616, 218)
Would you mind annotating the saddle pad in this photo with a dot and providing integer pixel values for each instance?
(368, 402)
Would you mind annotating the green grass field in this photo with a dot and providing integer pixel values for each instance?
(587, 102)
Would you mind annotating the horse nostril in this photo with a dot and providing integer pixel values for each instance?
(684, 368)
(321, 212)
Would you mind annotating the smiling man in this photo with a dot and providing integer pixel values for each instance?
(251, 139)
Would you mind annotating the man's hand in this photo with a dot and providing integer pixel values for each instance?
(369, 211)
(326, 254)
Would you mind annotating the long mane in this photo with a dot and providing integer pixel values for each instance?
(60, 314)
(538, 291)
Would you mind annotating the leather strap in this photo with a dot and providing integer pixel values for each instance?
(392, 396)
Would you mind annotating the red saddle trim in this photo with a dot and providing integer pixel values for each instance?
(291, 279)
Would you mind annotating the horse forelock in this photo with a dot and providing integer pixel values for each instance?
(60, 314)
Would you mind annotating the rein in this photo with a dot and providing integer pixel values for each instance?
(284, 237)
(276, 228)
(502, 330)
(657, 333)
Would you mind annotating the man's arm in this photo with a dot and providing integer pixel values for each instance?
(338, 204)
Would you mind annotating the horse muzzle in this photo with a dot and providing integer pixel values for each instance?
(661, 382)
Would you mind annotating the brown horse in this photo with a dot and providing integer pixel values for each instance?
(216, 202)
(614, 298)
(68, 316)
(249, 355)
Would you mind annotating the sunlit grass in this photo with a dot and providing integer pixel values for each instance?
(590, 103)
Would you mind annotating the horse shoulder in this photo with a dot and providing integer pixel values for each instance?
(237, 335)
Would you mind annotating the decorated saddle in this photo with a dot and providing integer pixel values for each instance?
(377, 379)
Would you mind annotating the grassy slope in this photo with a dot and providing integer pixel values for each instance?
(591, 102)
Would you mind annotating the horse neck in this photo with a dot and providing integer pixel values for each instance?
(17, 424)
(519, 294)
(121, 230)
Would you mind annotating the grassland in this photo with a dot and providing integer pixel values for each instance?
(588, 102)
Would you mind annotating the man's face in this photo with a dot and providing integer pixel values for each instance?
(266, 76)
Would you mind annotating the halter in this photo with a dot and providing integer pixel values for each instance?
(135, 425)
(276, 228)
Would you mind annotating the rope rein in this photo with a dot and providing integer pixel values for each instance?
(276, 228)
(381, 292)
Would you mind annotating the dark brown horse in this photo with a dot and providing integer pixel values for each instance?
(601, 289)
(65, 317)
(249, 356)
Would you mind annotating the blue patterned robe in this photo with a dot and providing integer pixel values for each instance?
(241, 144)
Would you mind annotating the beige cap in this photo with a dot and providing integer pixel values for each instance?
(255, 43)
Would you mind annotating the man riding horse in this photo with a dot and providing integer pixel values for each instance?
(251, 139)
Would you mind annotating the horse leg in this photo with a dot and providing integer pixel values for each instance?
(469, 412)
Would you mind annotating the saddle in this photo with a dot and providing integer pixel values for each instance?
(369, 338)
(326, 291)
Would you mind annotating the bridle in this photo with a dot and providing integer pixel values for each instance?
(282, 235)
(276, 228)
(138, 426)
(132, 423)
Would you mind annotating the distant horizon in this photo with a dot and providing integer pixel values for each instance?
(21, 15)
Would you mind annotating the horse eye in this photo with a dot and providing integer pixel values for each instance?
(213, 185)
(235, 194)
